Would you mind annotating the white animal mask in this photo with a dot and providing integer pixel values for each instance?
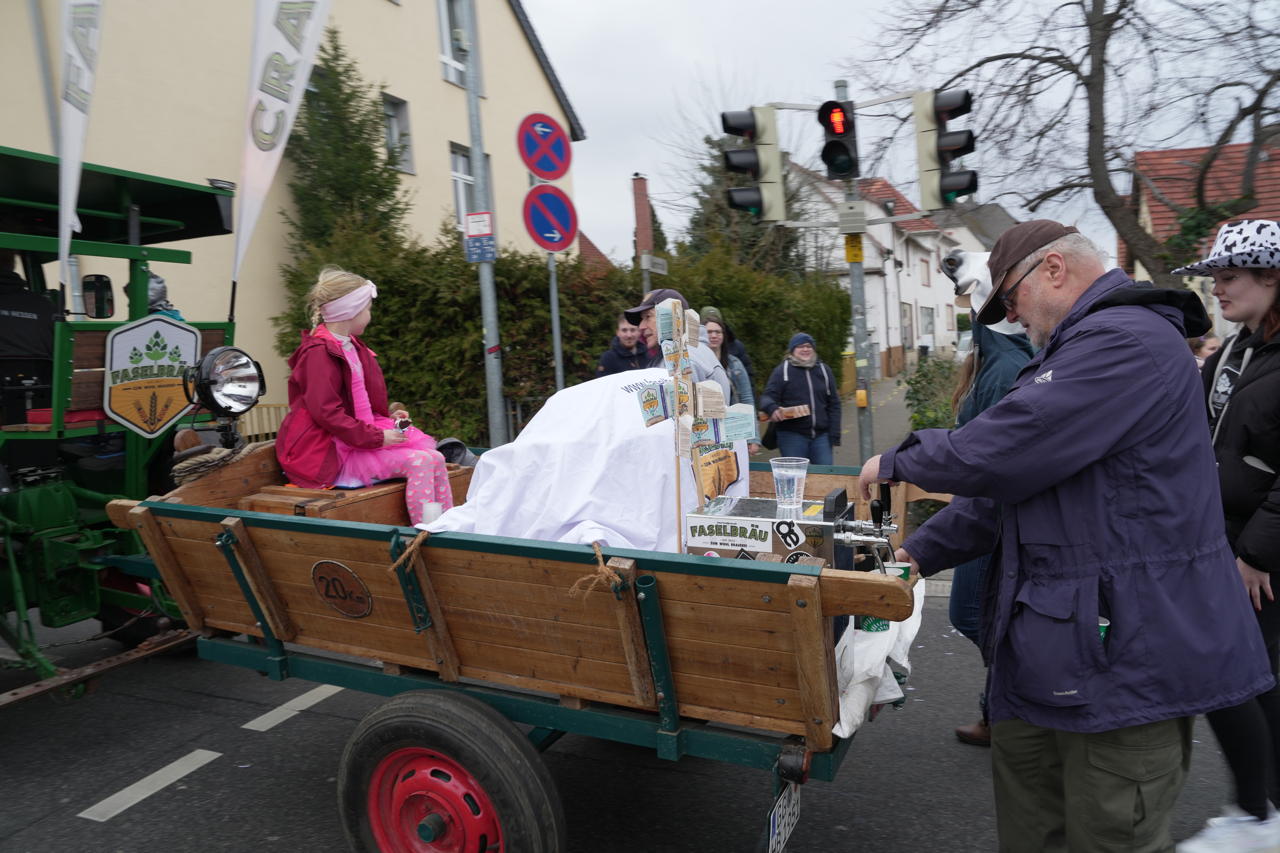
(972, 278)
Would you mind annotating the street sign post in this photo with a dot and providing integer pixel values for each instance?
(544, 146)
(550, 218)
(480, 244)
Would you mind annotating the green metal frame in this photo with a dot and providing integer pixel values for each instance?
(670, 736)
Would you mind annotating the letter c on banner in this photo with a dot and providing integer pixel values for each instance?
(263, 139)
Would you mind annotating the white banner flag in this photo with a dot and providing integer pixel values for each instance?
(286, 34)
(81, 22)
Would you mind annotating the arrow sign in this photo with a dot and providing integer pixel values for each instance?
(544, 146)
(550, 218)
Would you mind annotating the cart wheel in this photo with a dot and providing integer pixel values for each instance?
(435, 771)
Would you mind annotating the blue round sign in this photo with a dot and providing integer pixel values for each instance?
(549, 218)
(544, 146)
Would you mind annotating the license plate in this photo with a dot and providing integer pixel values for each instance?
(784, 817)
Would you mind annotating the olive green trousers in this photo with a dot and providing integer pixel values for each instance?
(1103, 792)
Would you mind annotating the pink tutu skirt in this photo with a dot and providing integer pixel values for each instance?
(362, 467)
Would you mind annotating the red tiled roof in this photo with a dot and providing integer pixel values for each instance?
(1172, 173)
(879, 190)
(593, 259)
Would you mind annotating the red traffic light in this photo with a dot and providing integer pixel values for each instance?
(835, 118)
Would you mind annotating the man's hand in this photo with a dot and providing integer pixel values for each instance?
(1256, 582)
(776, 415)
(901, 556)
(870, 477)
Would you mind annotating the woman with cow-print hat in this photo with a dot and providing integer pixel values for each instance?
(1242, 387)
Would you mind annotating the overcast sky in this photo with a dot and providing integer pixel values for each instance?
(645, 78)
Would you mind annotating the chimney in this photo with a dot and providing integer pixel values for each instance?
(644, 217)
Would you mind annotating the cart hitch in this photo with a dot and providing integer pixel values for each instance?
(793, 763)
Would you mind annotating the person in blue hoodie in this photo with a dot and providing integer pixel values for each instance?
(1113, 611)
(999, 353)
(803, 379)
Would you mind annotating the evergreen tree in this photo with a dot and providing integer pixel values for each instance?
(344, 181)
(715, 225)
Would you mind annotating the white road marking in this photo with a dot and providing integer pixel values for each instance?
(291, 708)
(140, 790)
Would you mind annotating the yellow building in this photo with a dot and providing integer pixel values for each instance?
(170, 95)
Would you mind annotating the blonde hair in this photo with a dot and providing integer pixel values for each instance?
(333, 283)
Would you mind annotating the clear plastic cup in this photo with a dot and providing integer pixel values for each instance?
(788, 480)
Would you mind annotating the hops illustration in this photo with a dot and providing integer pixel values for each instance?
(175, 355)
(135, 356)
(156, 347)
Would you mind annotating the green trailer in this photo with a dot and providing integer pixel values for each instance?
(472, 635)
(62, 458)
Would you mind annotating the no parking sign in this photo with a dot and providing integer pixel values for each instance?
(550, 218)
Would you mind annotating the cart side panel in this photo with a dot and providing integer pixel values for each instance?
(732, 650)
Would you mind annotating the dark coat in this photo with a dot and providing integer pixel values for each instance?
(321, 409)
(1000, 359)
(618, 358)
(1247, 446)
(1093, 484)
(815, 387)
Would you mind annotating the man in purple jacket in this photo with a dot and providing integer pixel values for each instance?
(1113, 611)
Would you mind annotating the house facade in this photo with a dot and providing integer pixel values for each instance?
(909, 300)
(1164, 185)
(171, 85)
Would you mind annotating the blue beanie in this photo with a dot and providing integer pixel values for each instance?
(800, 338)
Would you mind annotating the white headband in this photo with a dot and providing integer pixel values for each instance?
(348, 306)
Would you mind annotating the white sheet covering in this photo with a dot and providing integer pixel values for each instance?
(586, 469)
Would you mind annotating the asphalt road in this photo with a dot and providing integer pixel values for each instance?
(906, 784)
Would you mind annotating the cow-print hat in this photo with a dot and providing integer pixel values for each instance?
(1248, 244)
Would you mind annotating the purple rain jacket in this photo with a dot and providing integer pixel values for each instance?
(1092, 482)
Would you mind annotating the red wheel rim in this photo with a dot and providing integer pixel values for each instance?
(416, 787)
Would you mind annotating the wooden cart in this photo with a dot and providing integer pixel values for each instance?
(723, 659)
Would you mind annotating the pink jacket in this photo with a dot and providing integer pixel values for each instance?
(320, 409)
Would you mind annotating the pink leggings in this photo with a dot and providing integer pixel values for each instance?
(427, 481)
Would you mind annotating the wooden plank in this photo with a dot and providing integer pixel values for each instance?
(727, 592)
(523, 599)
(89, 349)
(255, 574)
(118, 512)
(224, 487)
(438, 636)
(915, 493)
(737, 663)
(211, 339)
(632, 633)
(735, 697)
(524, 683)
(86, 389)
(816, 486)
(566, 638)
(297, 542)
(560, 674)
(867, 594)
(175, 580)
(755, 629)
(815, 660)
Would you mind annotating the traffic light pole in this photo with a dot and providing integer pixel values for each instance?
(488, 294)
(853, 224)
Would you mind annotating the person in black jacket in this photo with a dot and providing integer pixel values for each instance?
(626, 352)
(803, 379)
(1242, 387)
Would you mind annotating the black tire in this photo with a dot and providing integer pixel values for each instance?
(486, 763)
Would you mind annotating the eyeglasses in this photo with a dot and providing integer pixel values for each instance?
(1006, 298)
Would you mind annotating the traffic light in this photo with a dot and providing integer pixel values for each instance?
(840, 152)
(936, 147)
(763, 162)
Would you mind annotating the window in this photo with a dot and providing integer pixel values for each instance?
(926, 321)
(453, 59)
(924, 272)
(464, 181)
(907, 317)
(399, 140)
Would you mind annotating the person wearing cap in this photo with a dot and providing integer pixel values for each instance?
(1113, 610)
(1242, 389)
(158, 299)
(705, 364)
(804, 379)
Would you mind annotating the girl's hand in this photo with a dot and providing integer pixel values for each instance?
(753, 447)
(1255, 582)
(399, 413)
(392, 436)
